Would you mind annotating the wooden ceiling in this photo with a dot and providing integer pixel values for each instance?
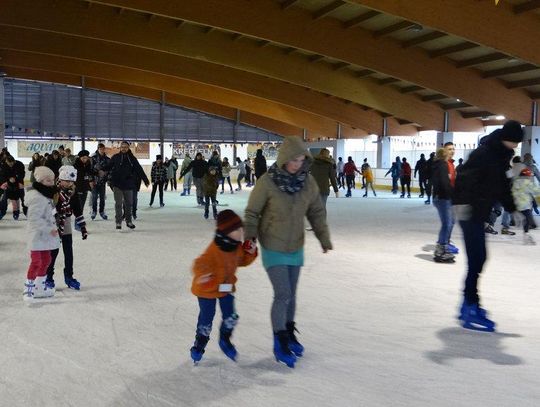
(290, 65)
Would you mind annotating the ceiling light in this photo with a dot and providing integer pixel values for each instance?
(415, 28)
(512, 60)
(500, 117)
(458, 100)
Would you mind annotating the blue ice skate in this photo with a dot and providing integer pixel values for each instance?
(452, 249)
(473, 317)
(282, 351)
(294, 346)
(49, 283)
(226, 346)
(73, 284)
(197, 350)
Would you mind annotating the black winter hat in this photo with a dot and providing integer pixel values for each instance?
(159, 157)
(84, 153)
(512, 131)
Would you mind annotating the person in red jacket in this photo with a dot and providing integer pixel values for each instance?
(349, 169)
(214, 279)
(405, 178)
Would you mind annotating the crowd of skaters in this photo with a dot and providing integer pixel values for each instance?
(474, 192)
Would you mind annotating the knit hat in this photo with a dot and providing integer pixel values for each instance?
(512, 131)
(44, 174)
(159, 157)
(228, 221)
(67, 173)
(84, 153)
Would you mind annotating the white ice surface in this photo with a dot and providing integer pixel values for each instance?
(376, 315)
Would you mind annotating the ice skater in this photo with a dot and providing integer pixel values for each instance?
(367, 173)
(158, 177)
(42, 233)
(523, 189)
(198, 168)
(68, 204)
(226, 175)
(405, 178)
(480, 183)
(188, 178)
(214, 279)
(349, 169)
(275, 215)
(210, 187)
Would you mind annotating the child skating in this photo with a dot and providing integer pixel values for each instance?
(524, 190)
(42, 233)
(210, 187)
(214, 279)
(68, 204)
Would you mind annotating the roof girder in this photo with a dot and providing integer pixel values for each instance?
(265, 19)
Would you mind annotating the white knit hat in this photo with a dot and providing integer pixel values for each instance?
(42, 174)
(67, 173)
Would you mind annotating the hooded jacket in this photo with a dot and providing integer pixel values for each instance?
(276, 217)
(324, 173)
(482, 181)
(41, 222)
(524, 190)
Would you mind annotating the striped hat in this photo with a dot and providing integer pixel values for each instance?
(228, 221)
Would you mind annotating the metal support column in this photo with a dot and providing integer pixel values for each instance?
(534, 121)
(446, 123)
(235, 135)
(2, 115)
(162, 124)
(304, 134)
(83, 112)
(339, 131)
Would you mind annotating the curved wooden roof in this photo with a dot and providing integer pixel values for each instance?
(290, 65)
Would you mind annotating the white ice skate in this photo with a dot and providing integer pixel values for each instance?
(28, 293)
(528, 240)
(41, 290)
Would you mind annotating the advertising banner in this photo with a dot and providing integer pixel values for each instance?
(181, 149)
(139, 150)
(27, 148)
(270, 150)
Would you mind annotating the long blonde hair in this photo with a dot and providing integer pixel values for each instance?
(442, 154)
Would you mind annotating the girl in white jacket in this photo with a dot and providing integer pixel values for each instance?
(42, 233)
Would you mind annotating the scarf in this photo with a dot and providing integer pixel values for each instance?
(225, 243)
(48, 192)
(289, 183)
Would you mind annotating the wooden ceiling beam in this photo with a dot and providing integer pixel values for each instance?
(534, 95)
(496, 56)
(453, 106)
(479, 114)
(433, 98)
(289, 29)
(356, 21)
(435, 35)
(509, 70)
(410, 89)
(387, 81)
(288, 3)
(402, 25)
(527, 6)
(523, 83)
(467, 19)
(330, 8)
(452, 49)
(364, 73)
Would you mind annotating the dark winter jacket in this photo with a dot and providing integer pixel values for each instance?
(53, 164)
(429, 169)
(69, 204)
(395, 169)
(420, 168)
(158, 173)
(125, 171)
(260, 164)
(324, 173)
(406, 170)
(442, 189)
(210, 184)
(98, 163)
(85, 175)
(482, 180)
(215, 162)
(197, 167)
(17, 172)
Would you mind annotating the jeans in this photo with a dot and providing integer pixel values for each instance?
(444, 208)
(98, 192)
(350, 182)
(528, 221)
(284, 280)
(475, 245)
(199, 187)
(324, 198)
(155, 186)
(239, 180)
(395, 185)
(188, 178)
(67, 247)
(495, 212)
(207, 311)
(223, 183)
(341, 180)
(207, 200)
(123, 198)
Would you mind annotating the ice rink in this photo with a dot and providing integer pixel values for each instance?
(376, 315)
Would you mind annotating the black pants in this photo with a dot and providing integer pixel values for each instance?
(423, 184)
(341, 180)
(207, 199)
(350, 183)
(429, 186)
(248, 178)
(405, 182)
(395, 185)
(98, 192)
(223, 183)
(82, 199)
(239, 180)
(475, 245)
(67, 247)
(154, 188)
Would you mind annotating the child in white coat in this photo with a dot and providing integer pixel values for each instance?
(42, 233)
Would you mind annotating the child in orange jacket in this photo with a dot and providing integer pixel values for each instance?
(214, 279)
